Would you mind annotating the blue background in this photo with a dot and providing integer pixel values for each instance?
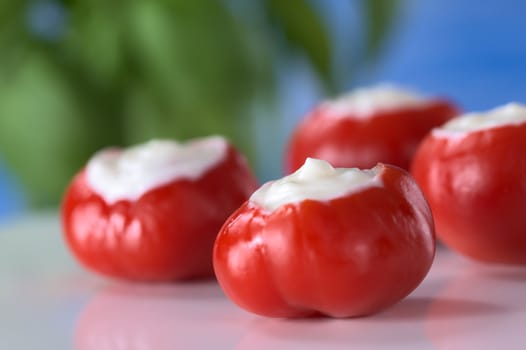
(11, 198)
(474, 51)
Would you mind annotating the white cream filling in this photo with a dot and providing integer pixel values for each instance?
(365, 102)
(126, 174)
(509, 114)
(316, 180)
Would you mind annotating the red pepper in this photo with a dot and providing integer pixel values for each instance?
(476, 187)
(165, 234)
(352, 255)
(348, 140)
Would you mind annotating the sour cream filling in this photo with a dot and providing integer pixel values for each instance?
(127, 174)
(509, 114)
(365, 102)
(316, 180)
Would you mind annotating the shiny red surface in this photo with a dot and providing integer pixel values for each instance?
(390, 137)
(351, 256)
(167, 234)
(476, 187)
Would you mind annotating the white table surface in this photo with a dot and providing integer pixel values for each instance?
(48, 302)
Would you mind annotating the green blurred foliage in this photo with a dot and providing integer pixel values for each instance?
(305, 30)
(379, 18)
(121, 72)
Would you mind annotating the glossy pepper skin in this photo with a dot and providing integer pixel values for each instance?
(167, 234)
(476, 187)
(350, 256)
(344, 140)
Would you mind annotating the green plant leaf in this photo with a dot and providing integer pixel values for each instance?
(11, 25)
(194, 76)
(379, 17)
(43, 134)
(94, 41)
(304, 29)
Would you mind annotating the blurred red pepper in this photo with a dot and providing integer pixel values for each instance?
(166, 234)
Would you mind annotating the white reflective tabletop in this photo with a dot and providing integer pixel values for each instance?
(48, 302)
